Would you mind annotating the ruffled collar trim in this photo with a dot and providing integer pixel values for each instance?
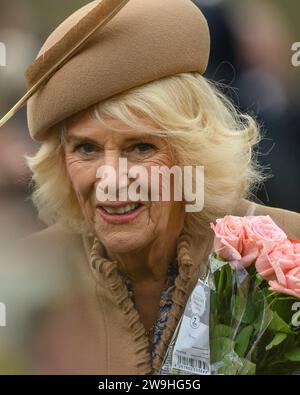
(188, 274)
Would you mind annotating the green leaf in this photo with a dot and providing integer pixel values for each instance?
(242, 340)
(220, 347)
(241, 304)
(293, 355)
(278, 338)
(222, 331)
(283, 307)
(249, 314)
(249, 368)
(231, 364)
(278, 325)
(258, 280)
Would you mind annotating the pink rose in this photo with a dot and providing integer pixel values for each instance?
(263, 229)
(230, 242)
(277, 259)
(288, 284)
(296, 244)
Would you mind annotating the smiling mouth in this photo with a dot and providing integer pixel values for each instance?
(121, 214)
(128, 208)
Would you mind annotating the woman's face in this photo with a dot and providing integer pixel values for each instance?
(89, 146)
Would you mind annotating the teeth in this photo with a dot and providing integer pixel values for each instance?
(122, 209)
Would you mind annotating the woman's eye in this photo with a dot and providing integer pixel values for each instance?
(85, 148)
(143, 148)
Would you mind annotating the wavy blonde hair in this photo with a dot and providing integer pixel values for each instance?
(201, 126)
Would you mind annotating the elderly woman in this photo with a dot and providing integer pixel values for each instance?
(134, 91)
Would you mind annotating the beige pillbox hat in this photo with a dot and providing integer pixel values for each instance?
(145, 41)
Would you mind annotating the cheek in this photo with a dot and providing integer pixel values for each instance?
(161, 159)
(162, 211)
(82, 177)
(160, 182)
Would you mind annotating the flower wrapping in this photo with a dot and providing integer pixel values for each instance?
(244, 316)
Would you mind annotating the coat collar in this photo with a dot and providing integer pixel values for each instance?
(190, 268)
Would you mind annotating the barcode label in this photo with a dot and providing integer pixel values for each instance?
(188, 363)
(191, 350)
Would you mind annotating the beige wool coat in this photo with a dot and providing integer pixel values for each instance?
(92, 326)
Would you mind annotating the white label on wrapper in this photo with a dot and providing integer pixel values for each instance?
(191, 350)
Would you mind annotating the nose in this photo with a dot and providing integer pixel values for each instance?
(112, 175)
(111, 158)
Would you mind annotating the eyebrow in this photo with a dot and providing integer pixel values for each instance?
(80, 139)
(137, 139)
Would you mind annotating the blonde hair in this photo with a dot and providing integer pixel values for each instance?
(201, 126)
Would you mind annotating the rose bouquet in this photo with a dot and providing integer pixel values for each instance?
(244, 317)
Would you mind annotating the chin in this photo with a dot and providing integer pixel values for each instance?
(121, 245)
(126, 237)
(123, 241)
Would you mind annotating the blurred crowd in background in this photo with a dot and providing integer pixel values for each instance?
(251, 55)
(250, 60)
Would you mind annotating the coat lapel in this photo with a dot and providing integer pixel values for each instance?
(114, 290)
